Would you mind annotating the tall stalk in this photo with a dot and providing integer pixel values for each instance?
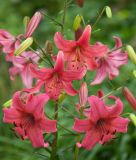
(54, 155)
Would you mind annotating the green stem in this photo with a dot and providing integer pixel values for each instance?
(54, 155)
(76, 149)
(52, 19)
(98, 18)
(64, 16)
(117, 89)
(46, 56)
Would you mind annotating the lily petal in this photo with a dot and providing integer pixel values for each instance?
(82, 125)
(48, 125)
(120, 124)
(59, 66)
(90, 139)
(62, 44)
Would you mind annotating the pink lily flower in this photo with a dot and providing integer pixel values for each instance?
(79, 53)
(102, 122)
(33, 24)
(29, 119)
(110, 62)
(57, 79)
(21, 66)
(8, 41)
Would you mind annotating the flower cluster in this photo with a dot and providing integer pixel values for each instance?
(74, 59)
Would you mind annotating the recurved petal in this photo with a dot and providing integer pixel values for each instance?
(112, 70)
(85, 37)
(90, 139)
(69, 88)
(62, 44)
(91, 63)
(11, 115)
(98, 50)
(48, 125)
(36, 104)
(106, 137)
(101, 73)
(98, 109)
(13, 71)
(17, 103)
(118, 42)
(118, 58)
(70, 75)
(116, 109)
(120, 124)
(42, 74)
(35, 136)
(82, 125)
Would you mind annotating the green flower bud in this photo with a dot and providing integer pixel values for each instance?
(26, 21)
(131, 53)
(77, 22)
(62, 97)
(23, 46)
(134, 73)
(7, 103)
(133, 119)
(108, 12)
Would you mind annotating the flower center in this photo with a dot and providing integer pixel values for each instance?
(31, 118)
(101, 126)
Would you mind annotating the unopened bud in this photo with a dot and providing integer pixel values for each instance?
(23, 46)
(133, 118)
(129, 97)
(7, 103)
(131, 53)
(78, 33)
(134, 73)
(83, 94)
(80, 3)
(62, 97)
(108, 12)
(77, 22)
(26, 21)
(33, 24)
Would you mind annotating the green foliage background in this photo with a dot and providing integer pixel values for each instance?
(123, 24)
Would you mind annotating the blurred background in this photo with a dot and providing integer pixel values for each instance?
(122, 24)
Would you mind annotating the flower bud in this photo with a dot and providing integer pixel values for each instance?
(83, 94)
(80, 3)
(131, 53)
(129, 97)
(33, 24)
(134, 73)
(62, 97)
(26, 21)
(7, 103)
(78, 33)
(23, 46)
(77, 22)
(133, 119)
(108, 12)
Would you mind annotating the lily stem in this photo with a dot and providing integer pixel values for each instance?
(98, 18)
(55, 140)
(77, 149)
(64, 16)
